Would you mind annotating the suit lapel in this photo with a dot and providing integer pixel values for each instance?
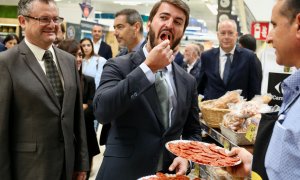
(234, 63)
(35, 67)
(150, 94)
(216, 60)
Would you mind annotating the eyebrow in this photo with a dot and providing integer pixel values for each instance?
(168, 14)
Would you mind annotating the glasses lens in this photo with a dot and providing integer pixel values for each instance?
(45, 20)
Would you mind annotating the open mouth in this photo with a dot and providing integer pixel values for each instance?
(165, 36)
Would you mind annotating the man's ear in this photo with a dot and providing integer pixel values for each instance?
(22, 21)
(298, 26)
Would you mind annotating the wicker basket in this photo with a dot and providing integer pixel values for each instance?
(212, 116)
(237, 138)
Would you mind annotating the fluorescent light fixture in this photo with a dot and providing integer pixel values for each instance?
(134, 2)
(212, 8)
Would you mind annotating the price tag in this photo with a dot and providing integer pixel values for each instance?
(250, 132)
(226, 144)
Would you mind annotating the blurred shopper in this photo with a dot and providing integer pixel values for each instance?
(249, 42)
(276, 150)
(10, 41)
(42, 130)
(2, 47)
(192, 63)
(128, 25)
(146, 113)
(60, 34)
(92, 64)
(88, 91)
(101, 48)
(178, 56)
(228, 67)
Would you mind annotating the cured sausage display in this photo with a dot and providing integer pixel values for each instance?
(161, 176)
(202, 153)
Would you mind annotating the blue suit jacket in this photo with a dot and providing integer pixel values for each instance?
(127, 100)
(243, 74)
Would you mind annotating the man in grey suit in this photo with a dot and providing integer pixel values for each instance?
(42, 131)
(129, 99)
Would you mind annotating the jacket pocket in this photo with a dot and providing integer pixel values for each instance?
(25, 147)
(121, 151)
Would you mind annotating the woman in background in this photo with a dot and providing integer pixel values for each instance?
(92, 64)
(88, 91)
(10, 41)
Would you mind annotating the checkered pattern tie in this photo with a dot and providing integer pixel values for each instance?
(53, 76)
(227, 69)
(161, 87)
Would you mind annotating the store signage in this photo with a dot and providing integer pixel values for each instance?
(224, 10)
(86, 8)
(274, 87)
(259, 30)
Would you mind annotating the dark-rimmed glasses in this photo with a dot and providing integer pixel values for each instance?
(46, 20)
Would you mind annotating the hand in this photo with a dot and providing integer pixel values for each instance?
(160, 56)
(84, 106)
(181, 165)
(244, 168)
(79, 175)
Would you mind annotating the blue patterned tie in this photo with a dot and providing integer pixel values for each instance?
(53, 76)
(161, 87)
(227, 69)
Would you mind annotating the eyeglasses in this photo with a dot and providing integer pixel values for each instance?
(47, 20)
(230, 34)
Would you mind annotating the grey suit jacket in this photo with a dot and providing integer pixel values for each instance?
(127, 100)
(39, 138)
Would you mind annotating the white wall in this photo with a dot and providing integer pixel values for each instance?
(261, 9)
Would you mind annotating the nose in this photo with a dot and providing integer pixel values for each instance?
(169, 23)
(269, 39)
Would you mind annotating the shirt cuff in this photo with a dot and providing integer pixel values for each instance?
(149, 74)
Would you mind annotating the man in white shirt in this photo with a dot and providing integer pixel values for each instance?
(100, 47)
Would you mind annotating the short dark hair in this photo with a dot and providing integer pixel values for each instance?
(25, 6)
(290, 9)
(132, 16)
(178, 3)
(11, 37)
(69, 45)
(248, 41)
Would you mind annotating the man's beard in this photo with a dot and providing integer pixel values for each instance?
(151, 37)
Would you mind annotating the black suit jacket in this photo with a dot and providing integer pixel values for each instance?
(179, 59)
(195, 71)
(243, 74)
(127, 100)
(88, 92)
(105, 50)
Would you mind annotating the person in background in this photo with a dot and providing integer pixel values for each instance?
(100, 47)
(178, 56)
(60, 34)
(2, 47)
(146, 111)
(277, 143)
(42, 130)
(128, 25)
(249, 42)
(88, 91)
(92, 64)
(10, 41)
(192, 63)
(228, 67)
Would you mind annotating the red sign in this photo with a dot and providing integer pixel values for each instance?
(260, 30)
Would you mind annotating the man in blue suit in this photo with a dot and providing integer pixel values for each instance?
(217, 76)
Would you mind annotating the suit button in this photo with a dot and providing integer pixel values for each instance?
(134, 95)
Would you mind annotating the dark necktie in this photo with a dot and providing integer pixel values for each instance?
(227, 69)
(161, 87)
(53, 76)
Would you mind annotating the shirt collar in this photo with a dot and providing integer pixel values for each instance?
(37, 51)
(223, 53)
(136, 48)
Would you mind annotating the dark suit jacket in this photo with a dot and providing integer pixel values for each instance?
(243, 74)
(127, 100)
(39, 137)
(2, 47)
(105, 50)
(179, 59)
(195, 71)
(106, 127)
(88, 92)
